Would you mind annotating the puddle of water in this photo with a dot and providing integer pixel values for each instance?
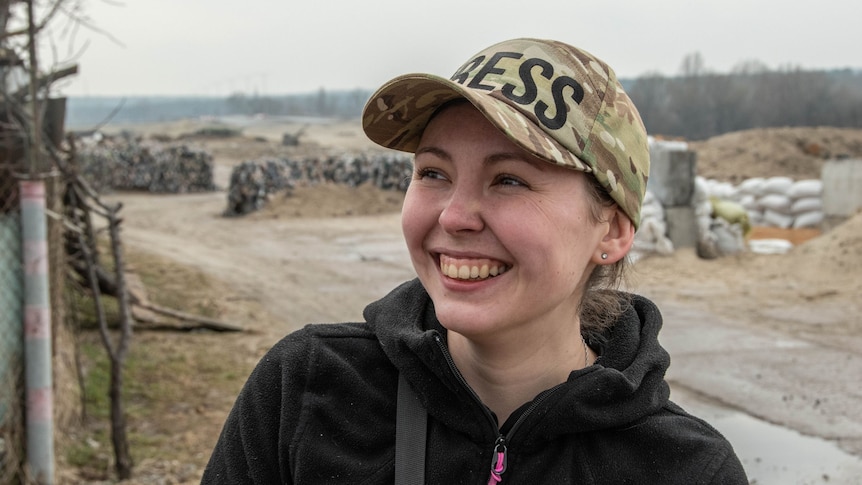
(773, 455)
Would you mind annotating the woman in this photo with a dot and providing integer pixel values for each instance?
(530, 170)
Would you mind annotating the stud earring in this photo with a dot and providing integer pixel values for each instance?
(604, 255)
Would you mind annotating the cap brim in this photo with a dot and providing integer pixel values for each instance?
(396, 115)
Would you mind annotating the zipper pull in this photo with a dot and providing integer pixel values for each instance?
(498, 461)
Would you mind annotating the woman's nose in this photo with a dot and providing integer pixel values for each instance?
(462, 211)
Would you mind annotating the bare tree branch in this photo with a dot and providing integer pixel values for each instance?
(37, 28)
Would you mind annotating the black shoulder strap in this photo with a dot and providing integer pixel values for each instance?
(410, 430)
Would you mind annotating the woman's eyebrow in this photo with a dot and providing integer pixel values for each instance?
(438, 152)
(522, 157)
(491, 159)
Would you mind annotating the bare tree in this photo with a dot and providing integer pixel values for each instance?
(751, 66)
(699, 104)
(692, 65)
(651, 94)
(24, 23)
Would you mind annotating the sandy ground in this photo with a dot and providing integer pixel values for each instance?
(767, 347)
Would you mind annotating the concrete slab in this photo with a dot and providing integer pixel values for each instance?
(671, 175)
(842, 187)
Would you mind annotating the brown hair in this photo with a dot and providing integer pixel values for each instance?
(602, 303)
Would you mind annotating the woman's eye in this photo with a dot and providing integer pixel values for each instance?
(428, 173)
(510, 180)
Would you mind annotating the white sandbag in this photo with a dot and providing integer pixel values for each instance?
(664, 246)
(755, 217)
(777, 185)
(649, 198)
(703, 223)
(634, 256)
(643, 246)
(776, 203)
(748, 201)
(652, 211)
(777, 219)
(806, 204)
(723, 190)
(769, 246)
(753, 186)
(805, 188)
(703, 208)
(701, 190)
(709, 186)
(808, 219)
(652, 229)
(669, 145)
(660, 229)
(729, 239)
(651, 238)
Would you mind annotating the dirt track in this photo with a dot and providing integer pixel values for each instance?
(765, 335)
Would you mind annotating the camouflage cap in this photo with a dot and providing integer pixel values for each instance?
(556, 101)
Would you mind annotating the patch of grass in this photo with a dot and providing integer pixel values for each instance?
(90, 453)
(174, 384)
(84, 310)
(97, 380)
(162, 382)
(174, 286)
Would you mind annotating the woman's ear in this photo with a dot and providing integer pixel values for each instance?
(618, 240)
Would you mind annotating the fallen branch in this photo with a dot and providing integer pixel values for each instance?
(95, 276)
(201, 323)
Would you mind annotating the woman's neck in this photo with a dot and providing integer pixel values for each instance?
(505, 376)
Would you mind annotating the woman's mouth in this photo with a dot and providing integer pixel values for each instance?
(471, 269)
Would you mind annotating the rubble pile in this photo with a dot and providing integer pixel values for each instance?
(252, 182)
(128, 164)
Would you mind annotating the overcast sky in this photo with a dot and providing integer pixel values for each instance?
(217, 47)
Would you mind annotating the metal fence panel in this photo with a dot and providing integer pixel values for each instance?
(11, 308)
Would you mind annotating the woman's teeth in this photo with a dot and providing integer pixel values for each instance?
(475, 270)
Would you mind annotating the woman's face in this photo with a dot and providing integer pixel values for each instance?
(502, 241)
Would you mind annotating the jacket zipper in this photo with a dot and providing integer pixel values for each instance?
(499, 456)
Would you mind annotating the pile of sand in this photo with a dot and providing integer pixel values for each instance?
(330, 200)
(798, 153)
(837, 252)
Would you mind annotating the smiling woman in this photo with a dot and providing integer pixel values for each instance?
(529, 174)
(473, 195)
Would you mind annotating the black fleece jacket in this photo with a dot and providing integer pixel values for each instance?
(320, 408)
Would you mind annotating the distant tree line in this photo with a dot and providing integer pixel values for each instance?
(698, 104)
(341, 104)
(86, 113)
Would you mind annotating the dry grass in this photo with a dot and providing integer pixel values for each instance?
(178, 386)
